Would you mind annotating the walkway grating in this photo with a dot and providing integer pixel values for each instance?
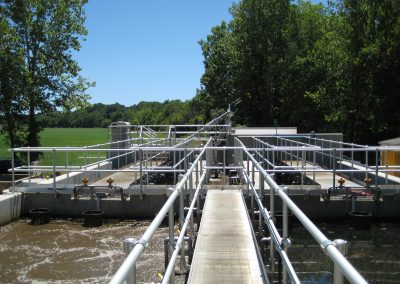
(225, 252)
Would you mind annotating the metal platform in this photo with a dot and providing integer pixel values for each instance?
(225, 252)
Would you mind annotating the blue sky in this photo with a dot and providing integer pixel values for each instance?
(147, 50)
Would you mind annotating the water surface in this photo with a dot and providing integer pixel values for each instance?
(63, 251)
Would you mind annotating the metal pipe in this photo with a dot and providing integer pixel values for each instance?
(54, 171)
(327, 245)
(123, 271)
(13, 169)
(275, 237)
(342, 246)
(285, 235)
(171, 264)
(171, 225)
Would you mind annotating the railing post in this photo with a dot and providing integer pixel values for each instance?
(260, 219)
(248, 174)
(285, 233)
(29, 167)
(141, 172)
(387, 166)
(224, 161)
(343, 247)
(376, 167)
(174, 166)
(171, 233)
(13, 169)
(303, 164)
(352, 161)
(128, 245)
(366, 164)
(272, 215)
(54, 171)
(181, 221)
(67, 162)
(334, 167)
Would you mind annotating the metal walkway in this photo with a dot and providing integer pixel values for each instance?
(225, 251)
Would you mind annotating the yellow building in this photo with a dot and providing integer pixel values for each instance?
(390, 157)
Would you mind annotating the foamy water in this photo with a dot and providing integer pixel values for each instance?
(64, 251)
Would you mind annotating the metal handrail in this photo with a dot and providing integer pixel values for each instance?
(171, 265)
(327, 245)
(123, 272)
(275, 236)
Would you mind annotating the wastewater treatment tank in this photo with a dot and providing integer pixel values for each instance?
(65, 251)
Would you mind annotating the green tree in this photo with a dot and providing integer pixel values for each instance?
(46, 33)
(220, 62)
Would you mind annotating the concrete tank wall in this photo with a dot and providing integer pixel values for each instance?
(10, 207)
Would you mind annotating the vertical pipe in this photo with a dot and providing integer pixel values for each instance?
(387, 166)
(198, 209)
(13, 169)
(191, 192)
(352, 161)
(341, 155)
(342, 246)
(54, 171)
(376, 167)
(141, 171)
(174, 166)
(224, 166)
(248, 174)
(314, 164)
(285, 234)
(291, 154)
(331, 159)
(260, 219)
(185, 165)
(197, 175)
(171, 239)
(334, 167)
(286, 152)
(147, 155)
(29, 167)
(366, 164)
(201, 164)
(272, 215)
(128, 245)
(181, 221)
(67, 162)
(253, 173)
(302, 167)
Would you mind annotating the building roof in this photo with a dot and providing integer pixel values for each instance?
(390, 142)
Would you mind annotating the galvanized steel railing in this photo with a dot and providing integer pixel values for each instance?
(128, 267)
(327, 245)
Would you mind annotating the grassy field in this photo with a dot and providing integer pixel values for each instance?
(66, 137)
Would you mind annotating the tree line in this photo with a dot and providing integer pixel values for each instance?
(321, 68)
(101, 115)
